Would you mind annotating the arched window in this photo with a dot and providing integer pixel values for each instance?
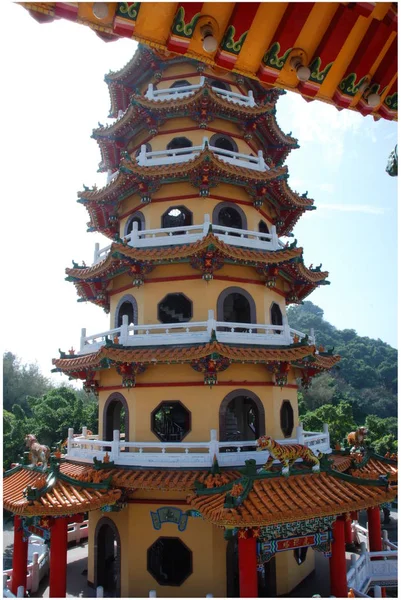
(107, 550)
(179, 83)
(148, 148)
(135, 218)
(224, 142)
(286, 418)
(126, 306)
(241, 417)
(235, 305)
(222, 85)
(177, 216)
(276, 316)
(263, 228)
(115, 416)
(227, 215)
(178, 143)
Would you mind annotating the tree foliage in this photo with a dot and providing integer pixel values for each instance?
(33, 405)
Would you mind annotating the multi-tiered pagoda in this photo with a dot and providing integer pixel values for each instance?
(199, 361)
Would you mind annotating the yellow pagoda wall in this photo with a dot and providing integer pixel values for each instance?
(137, 534)
(289, 574)
(202, 402)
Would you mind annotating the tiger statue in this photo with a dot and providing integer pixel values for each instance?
(356, 439)
(287, 454)
(38, 452)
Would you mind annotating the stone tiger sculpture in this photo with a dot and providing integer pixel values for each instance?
(287, 454)
(356, 439)
(38, 452)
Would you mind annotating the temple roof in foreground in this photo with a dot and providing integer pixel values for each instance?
(350, 48)
(242, 497)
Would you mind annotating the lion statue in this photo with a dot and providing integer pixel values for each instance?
(287, 454)
(38, 452)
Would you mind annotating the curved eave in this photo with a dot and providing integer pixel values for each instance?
(287, 499)
(61, 498)
(344, 44)
(180, 354)
(159, 255)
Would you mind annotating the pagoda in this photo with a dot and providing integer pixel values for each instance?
(200, 367)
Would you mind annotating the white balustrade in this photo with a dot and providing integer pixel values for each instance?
(186, 91)
(179, 454)
(182, 155)
(372, 567)
(189, 234)
(190, 332)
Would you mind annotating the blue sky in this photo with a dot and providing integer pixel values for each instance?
(54, 95)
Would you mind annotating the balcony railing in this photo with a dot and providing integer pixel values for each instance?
(193, 332)
(188, 90)
(182, 155)
(183, 454)
(189, 234)
(373, 567)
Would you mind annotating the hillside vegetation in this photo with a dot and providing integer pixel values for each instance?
(360, 390)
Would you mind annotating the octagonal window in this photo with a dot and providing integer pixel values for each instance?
(171, 421)
(174, 308)
(169, 561)
(286, 418)
(177, 216)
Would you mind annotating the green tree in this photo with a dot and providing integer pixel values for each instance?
(14, 431)
(21, 380)
(339, 419)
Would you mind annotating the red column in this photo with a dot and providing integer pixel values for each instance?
(338, 565)
(348, 531)
(58, 558)
(375, 531)
(20, 557)
(248, 574)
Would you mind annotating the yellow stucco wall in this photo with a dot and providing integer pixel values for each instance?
(289, 574)
(137, 534)
(202, 402)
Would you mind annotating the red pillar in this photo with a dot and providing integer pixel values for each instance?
(20, 557)
(348, 531)
(375, 531)
(338, 565)
(248, 574)
(58, 558)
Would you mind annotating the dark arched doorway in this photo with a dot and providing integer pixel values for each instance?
(276, 316)
(235, 305)
(115, 416)
(241, 417)
(108, 558)
(127, 306)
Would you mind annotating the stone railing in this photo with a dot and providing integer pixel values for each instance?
(183, 454)
(189, 234)
(193, 332)
(188, 90)
(361, 536)
(373, 568)
(182, 155)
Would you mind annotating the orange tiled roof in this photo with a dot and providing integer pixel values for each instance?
(375, 467)
(149, 355)
(286, 499)
(61, 498)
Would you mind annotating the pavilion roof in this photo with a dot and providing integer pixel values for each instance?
(241, 497)
(268, 186)
(203, 107)
(30, 491)
(280, 499)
